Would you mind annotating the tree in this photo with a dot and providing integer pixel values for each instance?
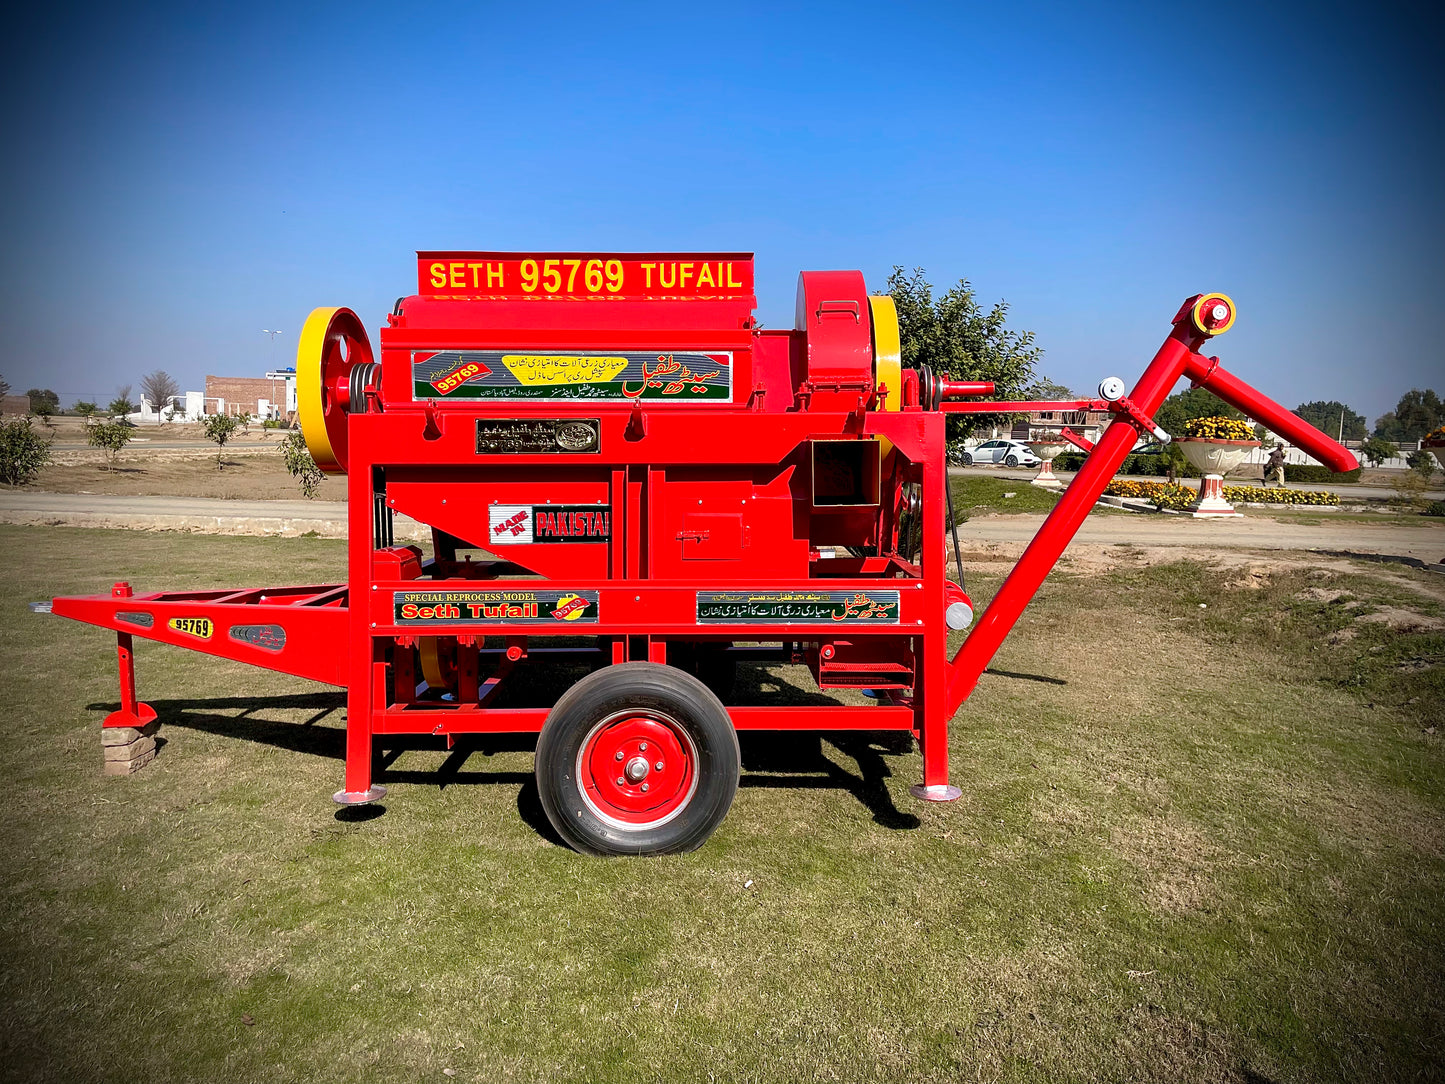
(1044, 388)
(86, 409)
(121, 405)
(4, 387)
(1183, 407)
(297, 457)
(1375, 451)
(1422, 463)
(43, 397)
(1171, 458)
(1414, 415)
(954, 336)
(219, 428)
(43, 411)
(110, 437)
(23, 452)
(159, 387)
(1325, 416)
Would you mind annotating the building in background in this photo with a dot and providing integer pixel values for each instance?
(1086, 423)
(262, 397)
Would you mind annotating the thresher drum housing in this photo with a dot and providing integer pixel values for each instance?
(623, 471)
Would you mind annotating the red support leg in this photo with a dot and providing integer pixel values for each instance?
(932, 684)
(360, 693)
(132, 712)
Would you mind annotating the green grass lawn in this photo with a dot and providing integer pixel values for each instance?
(977, 494)
(1194, 844)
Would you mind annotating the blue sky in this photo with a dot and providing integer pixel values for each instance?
(179, 178)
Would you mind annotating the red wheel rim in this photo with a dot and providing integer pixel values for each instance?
(637, 769)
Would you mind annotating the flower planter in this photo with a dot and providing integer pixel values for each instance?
(1214, 459)
(1046, 450)
(1436, 446)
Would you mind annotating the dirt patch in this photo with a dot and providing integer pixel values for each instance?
(1251, 577)
(1401, 620)
(1322, 594)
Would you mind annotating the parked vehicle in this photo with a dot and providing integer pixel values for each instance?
(1011, 453)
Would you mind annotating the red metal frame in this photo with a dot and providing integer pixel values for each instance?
(694, 498)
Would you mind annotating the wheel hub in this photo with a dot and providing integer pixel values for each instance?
(637, 769)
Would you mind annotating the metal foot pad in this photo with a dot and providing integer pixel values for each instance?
(939, 792)
(141, 717)
(359, 797)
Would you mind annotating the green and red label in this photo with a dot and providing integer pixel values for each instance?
(678, 376)
(798, 607)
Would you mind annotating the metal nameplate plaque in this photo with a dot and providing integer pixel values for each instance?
(538, 436)
(519, 524)
(619, 376)
(542, 607)
(797, 607)
(267, 637)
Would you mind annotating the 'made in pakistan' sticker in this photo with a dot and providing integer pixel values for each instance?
(513, 524)
(543, 607)
(798, 607)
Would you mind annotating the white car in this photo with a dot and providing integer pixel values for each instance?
(1011, 453)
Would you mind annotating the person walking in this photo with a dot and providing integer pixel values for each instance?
(1274, 467)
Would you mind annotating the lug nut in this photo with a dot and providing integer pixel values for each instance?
(621, 782)
(644, 786)
(618, 756)
(642, 748)
(636, 769)
(658, 766)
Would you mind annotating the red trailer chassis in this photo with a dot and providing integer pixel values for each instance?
(651, 483)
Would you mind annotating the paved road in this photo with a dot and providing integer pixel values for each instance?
(1422, 540)
(1347, 491)
(146, 444)
(206, 514)
(1425, 543)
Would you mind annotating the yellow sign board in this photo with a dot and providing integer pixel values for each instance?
(193, 626)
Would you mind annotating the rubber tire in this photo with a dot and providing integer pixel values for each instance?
(637, 685)
(968, 459)
(1011, 461)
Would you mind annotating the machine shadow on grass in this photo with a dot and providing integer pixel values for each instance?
(796, 761)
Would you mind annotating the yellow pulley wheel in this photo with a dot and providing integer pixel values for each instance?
(887, 351)
(438, 661)
(333, 366)
(1213, 314)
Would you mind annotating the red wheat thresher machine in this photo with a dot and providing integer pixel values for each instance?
(620, 467)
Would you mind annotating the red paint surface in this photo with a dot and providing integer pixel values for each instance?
(705, 496)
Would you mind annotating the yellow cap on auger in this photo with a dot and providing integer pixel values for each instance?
(1213, 314)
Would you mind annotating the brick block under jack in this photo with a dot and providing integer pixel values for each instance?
(128, 749)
